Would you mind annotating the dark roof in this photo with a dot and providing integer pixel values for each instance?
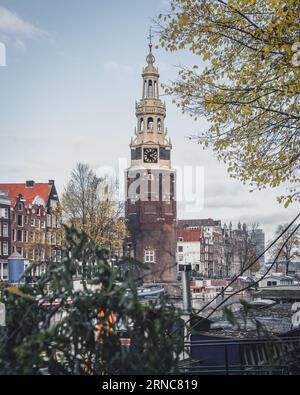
(194, 223)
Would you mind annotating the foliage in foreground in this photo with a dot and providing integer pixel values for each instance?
(83, 339)
(246, 82)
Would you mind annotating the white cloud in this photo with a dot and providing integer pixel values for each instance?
(15, 30)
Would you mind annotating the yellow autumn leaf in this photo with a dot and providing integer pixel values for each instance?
(16, 291)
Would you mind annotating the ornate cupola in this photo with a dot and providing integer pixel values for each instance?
(150, 146)
(151, 76)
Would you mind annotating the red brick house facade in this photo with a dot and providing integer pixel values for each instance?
(35, 223)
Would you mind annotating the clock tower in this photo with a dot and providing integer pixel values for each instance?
(151, 203)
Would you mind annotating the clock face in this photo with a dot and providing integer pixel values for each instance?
(150, 155)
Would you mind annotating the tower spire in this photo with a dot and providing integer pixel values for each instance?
(150, 38)
(150, 58)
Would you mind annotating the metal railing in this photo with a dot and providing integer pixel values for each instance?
(260, 356)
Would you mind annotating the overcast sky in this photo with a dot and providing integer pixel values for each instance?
(68, 92)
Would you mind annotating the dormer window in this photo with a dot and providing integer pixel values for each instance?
(20, 206)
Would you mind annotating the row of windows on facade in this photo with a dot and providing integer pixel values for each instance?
(38, 255)
(150, 124)
(52, 221)
(4, 212)
(200, 268)
(38, 210)
(23, 237)
(203, 257)
(32, 254)
(203, 248)
(37, 271)
(202, 240)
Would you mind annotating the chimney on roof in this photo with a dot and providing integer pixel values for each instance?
(51, 182)
(30, 184)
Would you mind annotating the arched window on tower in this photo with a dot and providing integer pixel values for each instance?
(150, 123)
(150, 89)
(155, 89)
(141, 124)
(145, 88)
(159, 124)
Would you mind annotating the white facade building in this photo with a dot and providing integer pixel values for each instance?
(189, 247)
